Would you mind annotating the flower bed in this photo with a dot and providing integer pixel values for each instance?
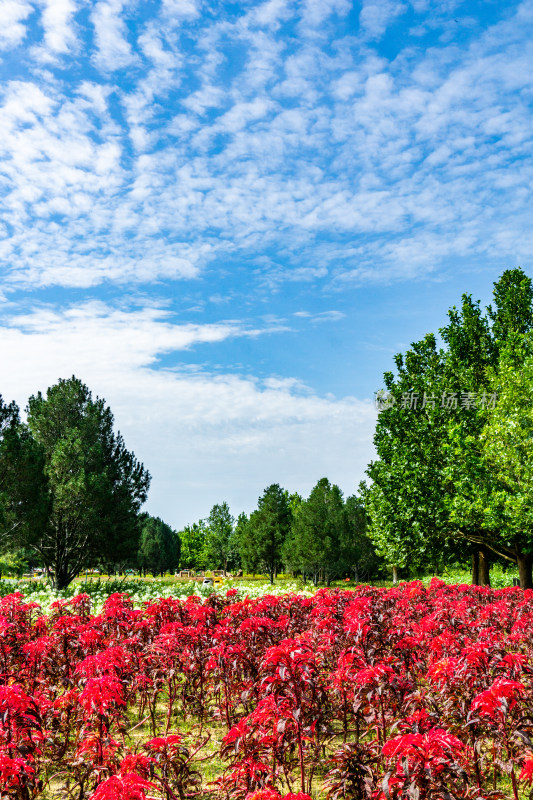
(409, 692)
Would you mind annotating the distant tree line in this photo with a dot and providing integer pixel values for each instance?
(71, 497)
(321, 538)
(159, 547)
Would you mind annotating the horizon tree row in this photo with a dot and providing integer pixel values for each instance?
(322, 537)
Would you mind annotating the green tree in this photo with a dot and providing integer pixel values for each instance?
(193, 546)
(471, 354)
(9, 425)
(512, 315)
(295, 501)
(267, 530)
(474, 485)
(431, 480)
(13, 563)
(94, 485)
(23, 501)
(219, 541)
(159, 546)
(357, 554)
(506, 502)
(248, 555)
(408, 516)
(314, 544)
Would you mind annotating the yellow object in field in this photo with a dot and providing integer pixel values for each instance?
(217, 581)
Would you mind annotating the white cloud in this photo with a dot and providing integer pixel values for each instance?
(347, 85)
(241, 114)
(205, 98)
(271, 13)
(12, 28)
(97, 96)
(252, 143)
(315, 12)
(205, 437)
(138, 336)
(377, 15)
(57, 15)
(178, 10)
(321, 316)
(114, 51)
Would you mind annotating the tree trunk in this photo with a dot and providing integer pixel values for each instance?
(525, 563)
(60, 580)
(484, 567)
(395, 574)
(475, 568)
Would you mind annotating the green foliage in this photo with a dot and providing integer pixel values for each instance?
(159, 546)
(513, 312)
(314, 544)
(93, 486)
(405, 500)
(14, 563)
(441, 480)
(262, 537)
(23, 498)
(246, 558)
(193, 546)
(219, 541)
(507, 452)
(357, 553)
(295, 501)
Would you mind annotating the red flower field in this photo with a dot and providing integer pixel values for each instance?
(375, 693)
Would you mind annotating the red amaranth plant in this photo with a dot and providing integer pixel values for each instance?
(411, 691)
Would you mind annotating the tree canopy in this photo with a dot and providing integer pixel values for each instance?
(159, 546)
(314, 544)
(263, 537)
(435, 490)
(193, 553)
(219, 540)
(92, 486)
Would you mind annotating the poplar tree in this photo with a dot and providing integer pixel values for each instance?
(434, 489)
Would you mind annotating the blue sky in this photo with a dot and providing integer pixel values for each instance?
(226, 218)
